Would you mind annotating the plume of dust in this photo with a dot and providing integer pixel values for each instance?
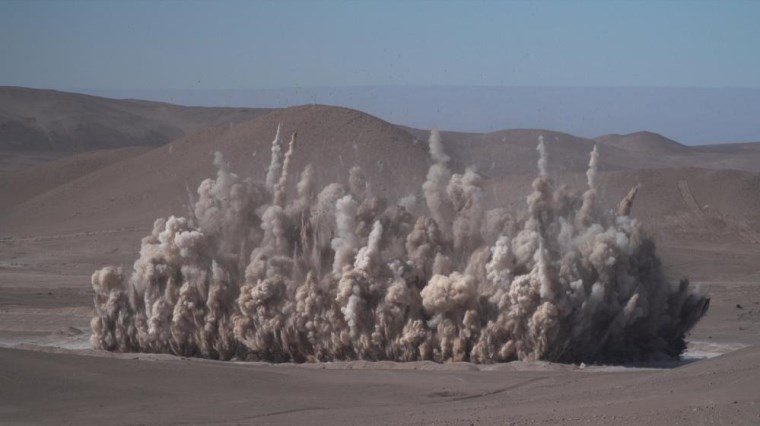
(542, 156)
(435, 144)
(434, 187)
(589, 197)
(280, 188)
(275, 165)
(341, 275)
(624, 208)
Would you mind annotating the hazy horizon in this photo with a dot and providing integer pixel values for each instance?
(687, 70)
(692, 116)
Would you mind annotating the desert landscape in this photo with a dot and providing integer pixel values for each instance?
(412, 212)
(84, 178)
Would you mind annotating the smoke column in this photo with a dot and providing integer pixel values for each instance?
(341, 274)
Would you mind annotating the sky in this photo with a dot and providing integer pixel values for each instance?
(263, 45)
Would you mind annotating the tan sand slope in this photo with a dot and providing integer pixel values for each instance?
(21, 185)
(644, 142)
(11, 161)
(34, 120)
(513, 151)
(135, 191)
(680, 205)
(154, 184)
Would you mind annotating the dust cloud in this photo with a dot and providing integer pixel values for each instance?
(257, 272)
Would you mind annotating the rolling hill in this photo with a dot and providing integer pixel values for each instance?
(686, 200)
(136, 190)
(18, 186)
(49, 120)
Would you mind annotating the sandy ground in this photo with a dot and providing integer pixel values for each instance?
(705, 222)
(132, 389)
(49, 374)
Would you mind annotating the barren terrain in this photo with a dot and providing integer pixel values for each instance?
(63, 216)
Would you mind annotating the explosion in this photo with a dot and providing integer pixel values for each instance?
(343, 274)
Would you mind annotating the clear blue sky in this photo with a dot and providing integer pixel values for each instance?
(234, 45)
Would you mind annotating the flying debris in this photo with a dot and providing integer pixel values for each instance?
(343, 274)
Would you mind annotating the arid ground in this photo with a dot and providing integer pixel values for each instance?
(82, 179)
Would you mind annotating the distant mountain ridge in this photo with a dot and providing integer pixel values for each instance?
(649, 142)
(693, 116)
(49, 120)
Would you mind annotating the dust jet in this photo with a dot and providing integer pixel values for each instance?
(342, 274)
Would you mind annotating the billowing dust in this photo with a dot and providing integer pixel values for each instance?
(342, 274)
